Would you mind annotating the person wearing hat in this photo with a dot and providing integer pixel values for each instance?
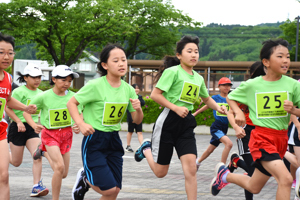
(20, 134)
(56, 125)
(219, 127)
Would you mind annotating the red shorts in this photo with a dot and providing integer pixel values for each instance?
(264, 141)
(3, 132)
(57, 137)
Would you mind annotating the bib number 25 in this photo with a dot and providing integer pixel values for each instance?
(270, 104)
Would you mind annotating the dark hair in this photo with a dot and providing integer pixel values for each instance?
(265, 53)
(21, 78)
(257, 69)
(8, 39)
(170, 61)
(134, 85)
(59, 77)
(269, 46)
(104, 55)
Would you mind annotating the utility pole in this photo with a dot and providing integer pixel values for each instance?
(297, 38)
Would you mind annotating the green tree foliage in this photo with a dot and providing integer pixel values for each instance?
(289, 33)
(156, 28)
(233, 42)
(63, 29)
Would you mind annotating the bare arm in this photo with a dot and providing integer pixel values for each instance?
(204, 108)
(157, 96)
(15, 118)
(240, 119)
(137, 115)
(17, 105)
(213, 105)
(239, 131)
(85, 129)
(36, 127)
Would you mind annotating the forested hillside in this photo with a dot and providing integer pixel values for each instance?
(233, 42)
(217, 42)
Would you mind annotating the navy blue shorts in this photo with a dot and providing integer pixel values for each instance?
(217, 131)
(102, 159)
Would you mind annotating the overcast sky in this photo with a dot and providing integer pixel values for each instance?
(244, 12)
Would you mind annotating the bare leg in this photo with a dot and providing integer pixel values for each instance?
(207, 152)
(228, 145)
(159, 170)
(110, 194)
(58, 166)
(16, 154)
(140, 137)
(189, 170)
(31, 145)
(129, 136)
(4, 164)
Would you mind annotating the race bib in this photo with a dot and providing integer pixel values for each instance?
(227, 107)
(270, 104)
(189, 93)
(37, 111)
(113, 113)
(2, 107)
(59, 118)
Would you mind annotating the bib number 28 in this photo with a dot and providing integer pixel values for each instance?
(60, 118)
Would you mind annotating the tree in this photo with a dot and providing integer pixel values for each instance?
(63, 29)
(289, 33)
(157, 28)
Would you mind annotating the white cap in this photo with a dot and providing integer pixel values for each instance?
(63, 71)
(32, 70)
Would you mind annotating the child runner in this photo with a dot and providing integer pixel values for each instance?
(56, 124)
(177, 90)
(294, 147)
(20, 134)
(131, 126)
(102, 148)
(6, 57)
(243, 134)
(270, 100)
(219, 127)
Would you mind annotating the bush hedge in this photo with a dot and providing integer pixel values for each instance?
(152, 110)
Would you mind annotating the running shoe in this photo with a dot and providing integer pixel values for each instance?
(129, 149)
(297, 187)
(81, 186)
(139, 155)
(234, 158)
(39, 190)
(217, 184)
(294, 184)
(37, 154)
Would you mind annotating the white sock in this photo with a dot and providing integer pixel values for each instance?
(225, 176)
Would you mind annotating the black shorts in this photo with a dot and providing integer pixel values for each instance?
(20, 138)
(243, 142)
(293, 135)
(169, 131)
(136, 127)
